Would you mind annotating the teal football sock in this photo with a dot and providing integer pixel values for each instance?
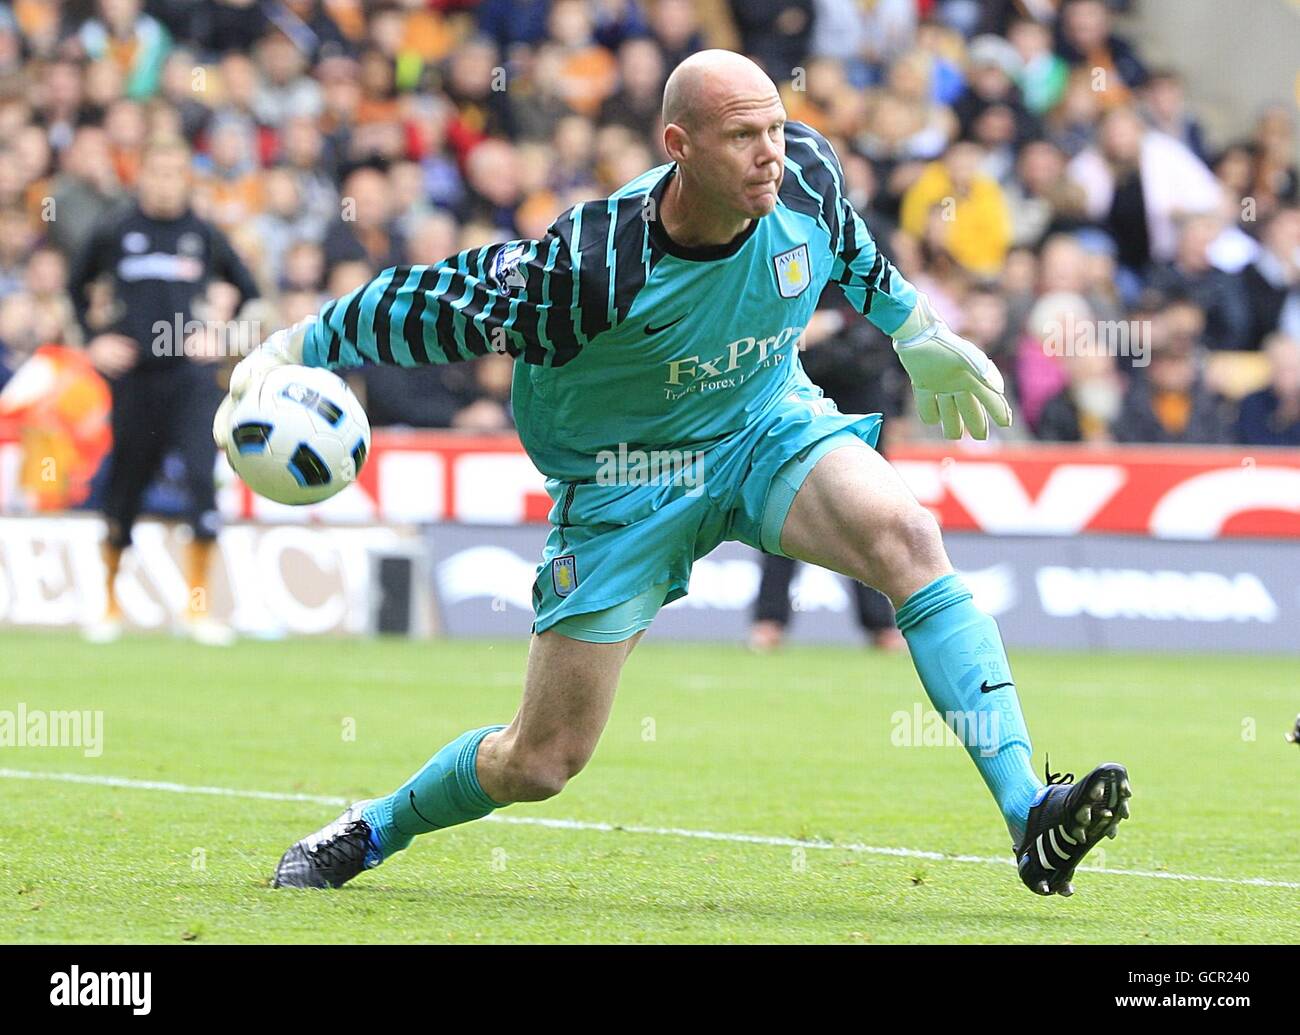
(442, 794)
(958, 653)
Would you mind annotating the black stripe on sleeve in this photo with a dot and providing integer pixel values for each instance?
(594, 269)
(871, 281)
(562, 336)
(444, 330)
(481, 300)
(629, 251)
(413, 326)
(795, 198)
(381, 322)
(851, 248)
(351, 318)
(811, 151)
(335, 343)
(528, 313)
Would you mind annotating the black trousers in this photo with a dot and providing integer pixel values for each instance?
(156, 411)
(875, 612)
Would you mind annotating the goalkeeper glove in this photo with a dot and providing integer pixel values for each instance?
(952, 380)
(282, 348)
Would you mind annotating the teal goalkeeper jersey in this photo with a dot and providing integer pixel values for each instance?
(622, 337)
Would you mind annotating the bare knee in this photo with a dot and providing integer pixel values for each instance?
(538, 772)
(906, 552)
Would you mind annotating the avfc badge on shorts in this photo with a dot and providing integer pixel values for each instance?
(793, 274)
(564, 575)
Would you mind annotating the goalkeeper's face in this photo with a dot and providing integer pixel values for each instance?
(738, 155)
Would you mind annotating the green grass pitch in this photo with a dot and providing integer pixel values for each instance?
(703, 739)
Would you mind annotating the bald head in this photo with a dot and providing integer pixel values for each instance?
(724, 129)
(703, 86)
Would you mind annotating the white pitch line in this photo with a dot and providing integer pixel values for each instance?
(585, 825)
(173, 788)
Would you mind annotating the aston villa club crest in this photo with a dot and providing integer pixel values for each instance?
(793, 274)
(564, 575)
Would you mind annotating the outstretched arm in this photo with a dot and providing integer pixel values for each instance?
(515, 298)
(512, 298)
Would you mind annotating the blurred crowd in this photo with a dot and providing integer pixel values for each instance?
(1134, 279)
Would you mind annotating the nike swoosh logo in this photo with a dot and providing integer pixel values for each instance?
(656, 330)
(421, 814)
(986, 689)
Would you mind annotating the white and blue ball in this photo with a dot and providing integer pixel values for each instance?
(300, 436)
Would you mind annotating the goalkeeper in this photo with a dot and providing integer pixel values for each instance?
(657, 331)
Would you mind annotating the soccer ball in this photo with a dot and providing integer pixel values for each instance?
(299, 437)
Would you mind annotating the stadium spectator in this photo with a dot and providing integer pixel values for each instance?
(17, 239)
(929, 127)
(775, 33)
(422, 397)
(304, 152)
(475, 85)
(963, 208)
(1056, 322)
(1275, 180)
(284, 223)
(59, 101)
(135, 42)
(586, 69)
(1086, 409)
(1171, 403)
(511, 22)
(984, 323)
(285, 91)
(224, 25)
(364, 229)
(1086, 42)
(304, 268)
(38, 314)
(1072, 124)
(675, 26)
(1043, 74)
(127, 130)
(311, 28)
(490, 410)
(994, 65)
(46, 286)
(1272, 281)
(230, 190)
(1040, 197)
(1164, 105)
(178, 88)
(535, 106)
(636, 101)
(1190, 275)
(1136, 182)
(1271, 416)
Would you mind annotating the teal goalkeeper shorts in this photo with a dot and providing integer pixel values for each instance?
(622, 547)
